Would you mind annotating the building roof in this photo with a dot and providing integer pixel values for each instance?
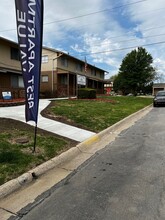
(8, 41)
(67, 54)
(56, 51)
(159, 85)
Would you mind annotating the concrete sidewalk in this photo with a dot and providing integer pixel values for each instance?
(71, 132)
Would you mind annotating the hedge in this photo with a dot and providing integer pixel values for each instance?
(86, 93)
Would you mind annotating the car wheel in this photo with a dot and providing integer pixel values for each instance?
(154, 105)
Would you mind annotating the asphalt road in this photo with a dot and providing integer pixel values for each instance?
(124, 181)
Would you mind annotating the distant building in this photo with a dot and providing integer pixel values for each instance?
(108, 87)
(157, 87)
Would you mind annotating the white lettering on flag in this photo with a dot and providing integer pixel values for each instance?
(29, 15)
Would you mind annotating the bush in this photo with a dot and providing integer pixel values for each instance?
(47, 94)
(86, 93)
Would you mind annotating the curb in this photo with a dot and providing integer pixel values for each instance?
(89, 147)
(114, 129)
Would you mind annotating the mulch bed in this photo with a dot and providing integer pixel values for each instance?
(12, 102)
(97, 99)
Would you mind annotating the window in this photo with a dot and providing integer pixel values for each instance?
(93, 72)
(101, 75)
(20, 82)
(45, 59)
(63, 79)
(14, 81)
(79, 67)
(15, 55)
(64, 61)
(17, 81)
(44, 78)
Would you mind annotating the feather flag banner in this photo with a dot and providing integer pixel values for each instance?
(29, 17)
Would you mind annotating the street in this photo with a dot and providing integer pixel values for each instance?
(124, 181)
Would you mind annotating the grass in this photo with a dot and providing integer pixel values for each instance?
(17, 158)
(98, 115)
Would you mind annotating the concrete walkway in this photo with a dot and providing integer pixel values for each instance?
(71, 132)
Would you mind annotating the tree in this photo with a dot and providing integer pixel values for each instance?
(135, 72)
(112, 78)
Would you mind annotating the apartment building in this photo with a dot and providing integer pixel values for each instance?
(63, 74)
(10, 69)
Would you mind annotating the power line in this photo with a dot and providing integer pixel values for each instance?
(92, 13)
(95, 45)
(126, 48)
(148, 29)
(119, 36)
(84, 15)
(80, 26)
(101, 12)
(129, 40)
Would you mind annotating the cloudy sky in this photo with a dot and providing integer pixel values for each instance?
(103, 31)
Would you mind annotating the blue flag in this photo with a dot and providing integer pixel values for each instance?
(29, 16)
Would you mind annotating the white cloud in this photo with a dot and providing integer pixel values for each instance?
(8, 21)
(77, 48)
(71, 16)
(160, 67)
(150, 18)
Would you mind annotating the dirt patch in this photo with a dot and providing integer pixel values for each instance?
(10, 125)
(21, 140)
(29, 151)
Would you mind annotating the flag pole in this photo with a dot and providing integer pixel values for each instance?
(29, 19)
(35, 138)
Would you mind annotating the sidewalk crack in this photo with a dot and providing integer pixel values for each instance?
(84, 152)
(6, 210)
(65, 169)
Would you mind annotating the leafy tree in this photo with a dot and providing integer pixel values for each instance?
(112, 78)
(136, 72)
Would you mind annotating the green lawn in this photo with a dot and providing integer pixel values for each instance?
(97, 115)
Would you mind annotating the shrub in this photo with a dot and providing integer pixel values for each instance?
(86, 93)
